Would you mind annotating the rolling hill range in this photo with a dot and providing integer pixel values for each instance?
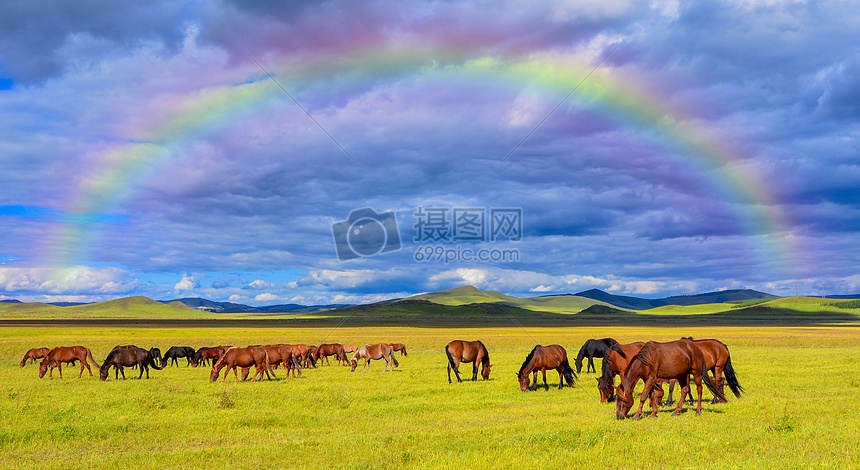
(465, 306)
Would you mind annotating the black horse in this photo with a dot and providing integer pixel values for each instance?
(175, 352)
(591, 349)
(126, 356)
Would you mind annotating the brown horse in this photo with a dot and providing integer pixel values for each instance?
(672, 360)
(331, 349)
(242, 357)
(57, 356)
(373, 351)
(350, 348)
(303, 354)
(467, 351)
(206, 354)
(399, 347)
(33, 354)
(614, 362)
(542, 358)
(278, 354)
(125, 356)
(719, 362)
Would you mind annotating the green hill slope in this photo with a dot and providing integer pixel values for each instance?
(128, 307)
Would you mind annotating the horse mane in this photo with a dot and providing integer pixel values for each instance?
(617, 348)
(528, 359)
(486, 359)
(644, 355)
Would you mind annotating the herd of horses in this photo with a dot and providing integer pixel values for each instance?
(265, 358)
(654, 363)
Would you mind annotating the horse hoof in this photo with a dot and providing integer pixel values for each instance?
(676, 414)
(698, 413)
(635, 418)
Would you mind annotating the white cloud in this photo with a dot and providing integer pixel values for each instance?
(188, 282)
(266, 297)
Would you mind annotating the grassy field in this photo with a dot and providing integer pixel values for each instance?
(800, 408)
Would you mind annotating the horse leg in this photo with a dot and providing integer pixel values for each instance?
(475, 371)
(685, 389)
(669, 400)
(60, 368)
(590, 367)
(545, 385)
(560, 371)
(698, 378)
(720, 382)
(82, 368)
(646, 393)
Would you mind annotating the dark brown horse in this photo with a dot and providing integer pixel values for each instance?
(542, 358)
(126, 356)
(33, 354)
(242, 357)
(331, 349)
(373, 351)
(672, 360)
(68, 354)
(399, 347)
(175, 352)
(614, 362)
(468, 351)
(591, 349)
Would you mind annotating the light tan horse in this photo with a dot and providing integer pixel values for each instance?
(66, 354)
(350, 348)
(373, 351)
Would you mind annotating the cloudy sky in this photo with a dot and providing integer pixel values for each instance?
(356, 151)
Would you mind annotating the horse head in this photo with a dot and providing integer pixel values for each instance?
(523, 379)
(623, 401)
(43, 367)
(352, 365)
(485, 371)
(213, 375)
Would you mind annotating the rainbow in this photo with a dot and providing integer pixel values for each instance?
(122, 167)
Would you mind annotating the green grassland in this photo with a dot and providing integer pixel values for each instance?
(799, 411)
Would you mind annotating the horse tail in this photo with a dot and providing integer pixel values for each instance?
(717, 393)
(732, 379)
(268, 365)
(90, 357)
(569, 374)
(617, 348)
(154, 363)
(393, 359)
(450, 359)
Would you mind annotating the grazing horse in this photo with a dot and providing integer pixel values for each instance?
(373, 351)
(672, 360)
(350, 348)
(33, 354)
(125, 356)
(242, 357)
(278, 354)
(57, 356)
(175, 352)
(205, 355)
(542, 358)
(467, 351)
(399, 347)
(303, 354)
(331, 349)
(614, 363)
(591, 349)
(719, 362)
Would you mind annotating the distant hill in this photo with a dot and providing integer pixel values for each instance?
(636, 303)
(229, 307)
